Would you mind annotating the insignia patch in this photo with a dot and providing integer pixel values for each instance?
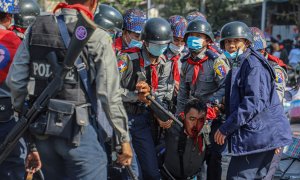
(220, 69)
(4, 57)
(123, 63)
(279, 76)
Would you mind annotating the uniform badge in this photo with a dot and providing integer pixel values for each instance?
(4, 57)
(279, 76)
(220, 69)
(123, 63)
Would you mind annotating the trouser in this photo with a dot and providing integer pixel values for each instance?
(13, 167)
(254, 166)
(213, 156)
(143, 145)
(61, 161)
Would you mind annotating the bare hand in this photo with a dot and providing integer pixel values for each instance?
(165, 124)
(219, 137)
(278, 150)
(126, 157)
(143, 91)
(33, 162)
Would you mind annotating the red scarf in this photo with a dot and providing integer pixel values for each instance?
(19, 29)
(118, 44)
(78, 7)
(277, 60)
(197, 66)
(154, 75)
(176, 75)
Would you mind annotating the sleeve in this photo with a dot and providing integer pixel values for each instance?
(221, 68)
(183, 93)
(18, 76)
(252, 101)
(125, 67)
(108, 86)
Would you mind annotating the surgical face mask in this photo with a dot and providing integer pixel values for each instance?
(235, 53)
(157, 49)
(175, 49)
(135, 43)
(194, 43)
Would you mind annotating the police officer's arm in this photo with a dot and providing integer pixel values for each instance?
(18, 75)
(253, 101)
(125, 67)
(221, 68)
(108, 84)
(183, 93)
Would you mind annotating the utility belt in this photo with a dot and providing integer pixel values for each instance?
(135, 108)
(63, 119)
(6, 110)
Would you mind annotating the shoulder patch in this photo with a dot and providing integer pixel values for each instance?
(4, 57)
(123, 63)
(280, 77)
(220, 68)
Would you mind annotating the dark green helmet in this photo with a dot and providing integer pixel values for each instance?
(28, 10)
(199, 26)
(108, 18)
(158, 31)
(235, 29)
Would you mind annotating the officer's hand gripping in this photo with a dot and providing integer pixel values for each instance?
(33, 162)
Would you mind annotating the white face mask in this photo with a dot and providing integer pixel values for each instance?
(175, 49)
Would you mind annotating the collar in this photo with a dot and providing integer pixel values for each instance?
(169, 54)
(3, 27)
(201, 55)
(146, 59)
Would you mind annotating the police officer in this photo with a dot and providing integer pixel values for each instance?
(185, 147)
(134, 21)
(203, 76)
(260, 44)
(13, 167)
(29, 9)
(255, 125)
(195, 15)
(86, 159)
(156, 36)
(109, 19)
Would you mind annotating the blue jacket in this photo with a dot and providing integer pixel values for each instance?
(255, 121)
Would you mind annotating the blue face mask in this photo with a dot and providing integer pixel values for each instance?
(135, 43)
(157, 49)
(235, 54)
(194, 43)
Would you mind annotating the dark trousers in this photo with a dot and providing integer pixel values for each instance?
(13, 168)
(254, 166)
(143, 145)
(213, 156)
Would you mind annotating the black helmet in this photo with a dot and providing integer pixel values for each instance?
(29, 9)
(108, 18)
(199, 26)
(158, 31)
(235, 29)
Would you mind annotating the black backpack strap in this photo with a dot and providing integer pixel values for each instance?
(80, 65)
(181, 149)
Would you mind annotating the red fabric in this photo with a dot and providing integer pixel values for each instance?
(197, 66)
(212, 49)
(154, 77)
(78, 7)
(131, 50)
(176, 74)
(11, 42)
(117, 46)
(277, 60)
(21, 30)
(211, 113)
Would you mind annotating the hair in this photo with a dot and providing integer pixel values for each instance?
(3, 16)
(197, 104)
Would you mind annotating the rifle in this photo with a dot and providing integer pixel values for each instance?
(82, 33)
(159, 110)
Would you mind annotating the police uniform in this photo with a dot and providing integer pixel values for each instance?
(13, 166)
(31, 68)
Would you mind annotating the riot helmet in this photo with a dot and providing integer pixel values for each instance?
(198, 26)
(108, 18)
(29, 9)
